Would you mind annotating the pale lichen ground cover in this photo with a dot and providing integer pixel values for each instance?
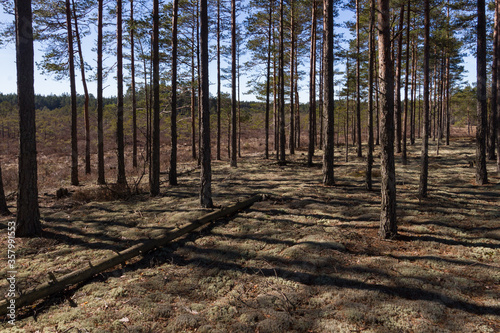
(308, 259)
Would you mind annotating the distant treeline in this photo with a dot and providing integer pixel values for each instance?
(53, 102)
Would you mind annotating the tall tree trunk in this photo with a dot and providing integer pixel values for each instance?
(482, 106)
(398, 80)
(371, 48)
(218, 84)
(312, 87)
(206, 169)
(347, 69)
(328, 103)
(413, 109)
(297, 104)
(85, 90)
(388, 222)
(155, 160)
(268, 76)
(74, 114)
(320, 101)
(132, 86)
(292, 81)
(28, 214)
(497, 90)
(358, 83)
(282, 138)
(119, 76)
(173, 126)
(407, 83)
(4, 210)
(424, 171)
(493, 126)
(193, 103)
(101, 180)
(377, 108)
(234, 118)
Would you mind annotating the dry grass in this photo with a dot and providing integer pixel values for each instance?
(306, 260)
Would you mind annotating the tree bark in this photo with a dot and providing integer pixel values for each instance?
(482, 106)
(328, 103)
(291, 143)
(119, 76)
(74, 115)
(282, 137)
(85, 91)
(234, 149)
(388, 223)
(404, 155)
(219, 130)
(101, 180)
(424, 170)
(206, 168)
(493, 126)
(132, 86)
(173, 123)
(28, 214)
(312, 87)
(398, 81)
(371, 48)
(358, 84)
(4, 210)
(268, 77)
(155, 160)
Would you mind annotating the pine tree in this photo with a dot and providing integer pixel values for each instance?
(28, 214)
(388, 225)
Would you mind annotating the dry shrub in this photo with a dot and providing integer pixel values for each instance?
(102, 193)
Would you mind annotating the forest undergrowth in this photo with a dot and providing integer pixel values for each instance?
(307, 259)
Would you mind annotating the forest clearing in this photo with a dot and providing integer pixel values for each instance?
(370, 205)
(306, 259)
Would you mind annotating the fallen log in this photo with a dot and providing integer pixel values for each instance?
(57, 284)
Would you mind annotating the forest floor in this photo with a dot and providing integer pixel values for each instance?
(307, 259)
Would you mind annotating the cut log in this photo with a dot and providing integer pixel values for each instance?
(59, 284)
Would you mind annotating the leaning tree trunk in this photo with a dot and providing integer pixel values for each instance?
(328, 98)
(388, 223)
(482, 107)
(119, 77)
(173, 126)
(85, 91)
(74, 128)
(28, 213)
(424, 170)
(4, 210)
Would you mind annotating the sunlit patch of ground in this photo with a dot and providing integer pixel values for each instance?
(308, 259)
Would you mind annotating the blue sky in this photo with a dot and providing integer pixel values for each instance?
(46, 85)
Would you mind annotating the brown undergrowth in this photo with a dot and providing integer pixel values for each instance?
(308, 259)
